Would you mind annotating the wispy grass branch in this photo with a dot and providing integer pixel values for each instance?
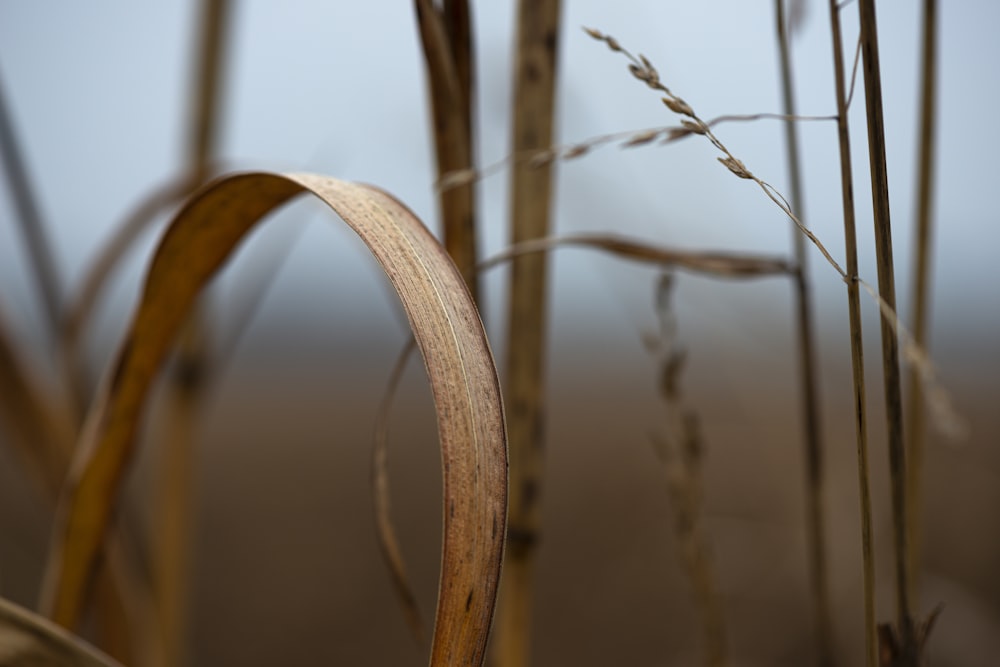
(814, 473)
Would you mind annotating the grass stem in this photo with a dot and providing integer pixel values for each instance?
(906, 648)
(815, 515)
(916, 421)
(446, 36)
(857, 344)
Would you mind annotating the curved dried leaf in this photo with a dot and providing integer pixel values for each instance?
(28, 639)
(448, 331)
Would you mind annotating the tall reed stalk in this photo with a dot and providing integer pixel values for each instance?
(904, 648)
(531, 193)
(175, 481)
(857, 339)
(446, 36)
(815, 514)
(916, 422)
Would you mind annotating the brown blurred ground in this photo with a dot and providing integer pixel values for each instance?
(287, 570)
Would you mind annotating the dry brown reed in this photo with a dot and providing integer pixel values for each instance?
(447, 40)
(916, 425)
(188, 385)
(814, 473)
(857, 340)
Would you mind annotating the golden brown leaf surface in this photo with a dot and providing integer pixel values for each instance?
(448, 331)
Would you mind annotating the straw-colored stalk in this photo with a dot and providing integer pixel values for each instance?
(815, 515)
(905, 650)
(916, 422)
(188, 380)
(531, 188)
(857, 345)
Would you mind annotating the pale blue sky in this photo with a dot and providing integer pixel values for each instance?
(98, 93)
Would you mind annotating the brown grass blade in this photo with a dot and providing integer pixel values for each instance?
(716, 264)
(447, 42)
(28, 639)
(447, 329)
(719, 265)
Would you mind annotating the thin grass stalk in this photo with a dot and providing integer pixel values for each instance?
(188, 380)
(531, 194)
(815, 514)
(112, 629)
(916, 422)
(908, 651)
(42, 261)
(857, 345)
(446, 36)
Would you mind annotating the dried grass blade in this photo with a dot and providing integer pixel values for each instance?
(447, 329)
(29, 639)
(717, 264)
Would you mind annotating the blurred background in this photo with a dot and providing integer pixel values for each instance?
(285, 568)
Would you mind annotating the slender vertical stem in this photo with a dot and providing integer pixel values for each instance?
(857, 346)
(915, 426)
(446, 36)
(908, 650)
(815, 515)
(531, 188)
(30, 219)
(175, 483)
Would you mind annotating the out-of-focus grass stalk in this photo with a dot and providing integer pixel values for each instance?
(906, 649)
(446, 36)
(42, 262)
(815, 515)
(531, 189)
(173, 514)
(916, 422)
(857, 346)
